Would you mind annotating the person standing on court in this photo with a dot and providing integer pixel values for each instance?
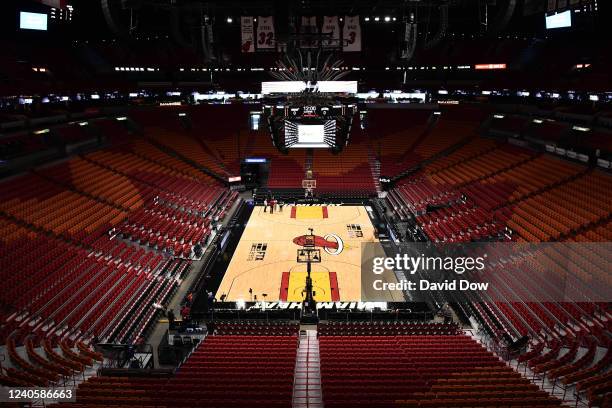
(185, 312)
(171, 319)
(265, 204)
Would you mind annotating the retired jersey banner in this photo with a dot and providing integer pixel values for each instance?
(265, 33)
(351, 34)
(308, 26)
(331, 26)
(246, 28)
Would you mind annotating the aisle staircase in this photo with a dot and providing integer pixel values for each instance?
(307, 383)
(308, 162)
(375, 169)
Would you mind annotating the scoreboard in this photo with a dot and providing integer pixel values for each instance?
(307, 134)
(309, 125)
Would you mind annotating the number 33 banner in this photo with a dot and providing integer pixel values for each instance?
(351, 34)
(265, 33)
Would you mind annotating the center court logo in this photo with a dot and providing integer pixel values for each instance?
(331, 243)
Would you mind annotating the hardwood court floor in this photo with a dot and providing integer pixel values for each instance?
(265, 259)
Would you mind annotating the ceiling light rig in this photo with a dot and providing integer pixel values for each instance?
(309, 69)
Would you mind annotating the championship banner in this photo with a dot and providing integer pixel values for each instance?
(351, 34)
(330, 25)
(265, 33)
(308, 26)
(552, 5)
(246, 28)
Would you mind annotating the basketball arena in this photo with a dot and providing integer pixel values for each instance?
(313, 204)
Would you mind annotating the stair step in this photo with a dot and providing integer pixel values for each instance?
(307, 391)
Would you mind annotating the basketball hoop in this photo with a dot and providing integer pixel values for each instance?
(309, 184)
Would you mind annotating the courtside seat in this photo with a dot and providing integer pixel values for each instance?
(272, 328)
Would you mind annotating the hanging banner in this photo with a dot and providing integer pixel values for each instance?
(552, 5)
(207, 40)
(309, 26)
(331, 26)
(561, 4)
(351, 34)
(246, 28)
(265, 33)
(409, 41)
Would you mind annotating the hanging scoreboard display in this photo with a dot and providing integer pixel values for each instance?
(324, 126)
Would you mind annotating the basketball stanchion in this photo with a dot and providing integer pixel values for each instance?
(309, 186)
(309, 254)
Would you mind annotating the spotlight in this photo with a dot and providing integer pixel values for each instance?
(367, 19)
(229, 20)
(387, 19)
(376, 18)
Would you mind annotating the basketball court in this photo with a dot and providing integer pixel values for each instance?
(265, 259)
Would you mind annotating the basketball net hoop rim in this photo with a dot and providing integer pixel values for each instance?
(309, 252)
(309, 183)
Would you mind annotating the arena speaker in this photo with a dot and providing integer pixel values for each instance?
(410, 38)
(175, 27)
(503, 17)
(206, 31)
(108, 7)
(284, 23)
(442, 28)
(281, 19)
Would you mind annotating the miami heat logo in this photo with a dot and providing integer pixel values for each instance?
(246, 46)
(331, 243)
(339, 244)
